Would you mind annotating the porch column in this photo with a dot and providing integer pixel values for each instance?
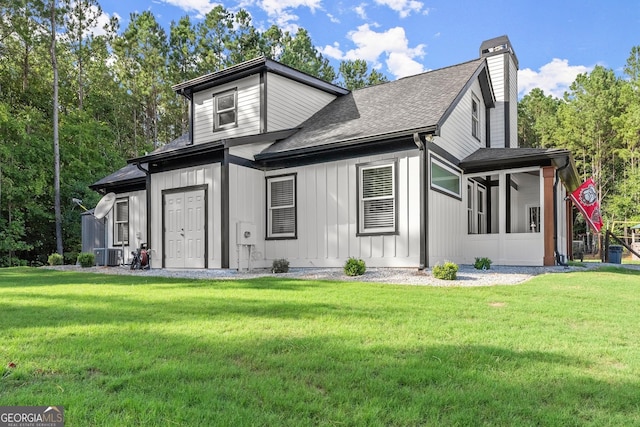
(503, 187)
(548, 175)
(568, 209)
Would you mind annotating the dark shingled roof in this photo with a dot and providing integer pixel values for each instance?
(493, 157)
(181, 141)
(402, 106)
(130, 174)
(250, 67)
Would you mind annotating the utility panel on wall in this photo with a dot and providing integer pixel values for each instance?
(246, 233)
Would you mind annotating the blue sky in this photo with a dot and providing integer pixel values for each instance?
(554, 40)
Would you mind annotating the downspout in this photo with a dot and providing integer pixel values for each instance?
(555, 214)
(224, 214)
(148, 196)
(424, 203)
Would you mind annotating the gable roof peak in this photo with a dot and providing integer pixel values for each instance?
(250, 67)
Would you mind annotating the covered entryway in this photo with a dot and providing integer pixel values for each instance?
(184, 224)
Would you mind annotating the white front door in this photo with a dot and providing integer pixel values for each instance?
(184, 231)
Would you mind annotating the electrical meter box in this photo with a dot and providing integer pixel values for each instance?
(246, 233)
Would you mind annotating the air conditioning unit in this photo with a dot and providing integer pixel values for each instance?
(114, 257)
(108, 257)
(100, 256)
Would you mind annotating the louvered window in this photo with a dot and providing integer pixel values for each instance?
(281, 206)
(377, 199)
(225, 109)
(121, 222)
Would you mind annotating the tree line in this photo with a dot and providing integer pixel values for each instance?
(598, 119)
(76, 101)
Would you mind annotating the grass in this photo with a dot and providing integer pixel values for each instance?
(560, 349)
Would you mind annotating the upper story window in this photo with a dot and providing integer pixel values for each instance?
(225, 109)
(445, 179)
(121, 222)
(281, 207)
(475, 117)
(377, 198)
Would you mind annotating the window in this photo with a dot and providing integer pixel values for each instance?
(444, 178)
(225, 107)
(476, 208)
(377, 198)
(481, 197)
(533, 218)
(475, 117)
(121, 222)
(281, 207)
(470, 216)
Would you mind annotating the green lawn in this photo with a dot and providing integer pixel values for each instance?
(561, 349)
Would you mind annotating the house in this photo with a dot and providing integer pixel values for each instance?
(409, 173)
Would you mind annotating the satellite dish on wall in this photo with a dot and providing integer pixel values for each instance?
(104, 206)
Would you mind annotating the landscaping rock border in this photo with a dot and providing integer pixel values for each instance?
(467, 274)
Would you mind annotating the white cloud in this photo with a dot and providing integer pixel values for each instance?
(333, 18)
(360, 11)
(275, 7)
(403, 65)
(332, 51)
(370, 46)
(403, 7)
(553, 78)
(279, 11)
(201, 7)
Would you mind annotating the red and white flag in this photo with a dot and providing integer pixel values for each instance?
(585, 198)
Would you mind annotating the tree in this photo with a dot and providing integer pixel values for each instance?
(586, 126)
(56, 139)
(272, 40)
(299, 52)
(245, 42)
(183, 65)
(81, 19)
(624, 201)
(141, 65)
(213, 38)
(355, 75)
(538, 120)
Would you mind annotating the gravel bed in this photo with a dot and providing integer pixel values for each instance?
(467, 274)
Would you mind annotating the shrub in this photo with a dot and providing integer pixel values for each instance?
(482, 263)
(70, 257)
(87, 259)
(280, 266)
(354, 267)
(447, 271)
(6, 261)
(55, 259)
